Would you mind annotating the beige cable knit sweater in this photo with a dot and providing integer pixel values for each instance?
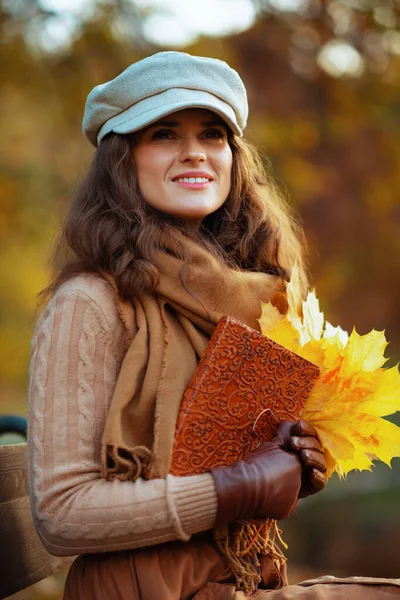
(77, 351)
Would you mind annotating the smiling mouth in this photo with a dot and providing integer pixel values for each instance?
(193, 183)
(192, 180)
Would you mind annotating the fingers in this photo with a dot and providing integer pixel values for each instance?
(283, 434)
(303, 427)
(302, 438)
(310, 451)
(318, 480)
(313, 482)
(306, 443)
(313, 459)
(285, 429)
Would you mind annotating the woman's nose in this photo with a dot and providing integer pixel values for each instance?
(192, 151)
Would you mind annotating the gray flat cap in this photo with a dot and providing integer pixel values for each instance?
(160, 85)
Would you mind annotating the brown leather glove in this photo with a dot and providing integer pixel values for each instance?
(304, 440)
(266, 483)
(302, 437)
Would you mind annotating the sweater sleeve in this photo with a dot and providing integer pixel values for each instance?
(76, 356)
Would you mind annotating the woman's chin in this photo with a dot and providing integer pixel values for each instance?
(193, 213)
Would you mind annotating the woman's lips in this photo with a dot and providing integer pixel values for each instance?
(193, 185)
(194, 180)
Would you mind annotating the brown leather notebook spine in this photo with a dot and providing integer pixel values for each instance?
(244, 386)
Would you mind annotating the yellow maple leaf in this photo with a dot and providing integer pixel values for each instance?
(293, 292)
(353, 392)
(270, 316)
(364, 352)
(387, 388)
(313, 318)
(284, 333)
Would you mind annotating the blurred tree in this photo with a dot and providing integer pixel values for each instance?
(322, 80)
(334, 142)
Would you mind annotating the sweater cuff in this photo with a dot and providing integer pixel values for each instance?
(194, 501)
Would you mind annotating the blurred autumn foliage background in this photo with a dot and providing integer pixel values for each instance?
(323, 85)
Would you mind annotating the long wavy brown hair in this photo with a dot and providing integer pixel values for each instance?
(111, 228)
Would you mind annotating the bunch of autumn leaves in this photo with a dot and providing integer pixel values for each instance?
(353, 392)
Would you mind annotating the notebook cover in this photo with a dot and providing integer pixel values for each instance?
(244, 386)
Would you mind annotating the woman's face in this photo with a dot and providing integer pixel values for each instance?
(184, 164)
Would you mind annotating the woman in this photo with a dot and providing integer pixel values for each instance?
(173, 227)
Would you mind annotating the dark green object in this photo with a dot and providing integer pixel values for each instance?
(13, 424)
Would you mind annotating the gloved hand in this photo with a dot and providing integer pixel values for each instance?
(302, 437)
(264, 484)
(305, 441)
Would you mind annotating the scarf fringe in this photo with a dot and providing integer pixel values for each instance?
(241, 543)
(125, 465)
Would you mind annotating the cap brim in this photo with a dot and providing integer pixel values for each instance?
(151, 109)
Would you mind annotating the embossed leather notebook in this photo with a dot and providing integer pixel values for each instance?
(244, 386)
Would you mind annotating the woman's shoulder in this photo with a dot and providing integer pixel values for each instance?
(87, 291)
(92, 285)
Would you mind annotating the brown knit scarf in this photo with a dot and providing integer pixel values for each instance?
(168, 333)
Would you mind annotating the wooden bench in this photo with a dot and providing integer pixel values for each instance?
(24, 560)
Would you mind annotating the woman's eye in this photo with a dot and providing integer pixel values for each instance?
(215, 133)
(163, 134)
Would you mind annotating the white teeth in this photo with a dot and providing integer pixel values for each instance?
(192, 180)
